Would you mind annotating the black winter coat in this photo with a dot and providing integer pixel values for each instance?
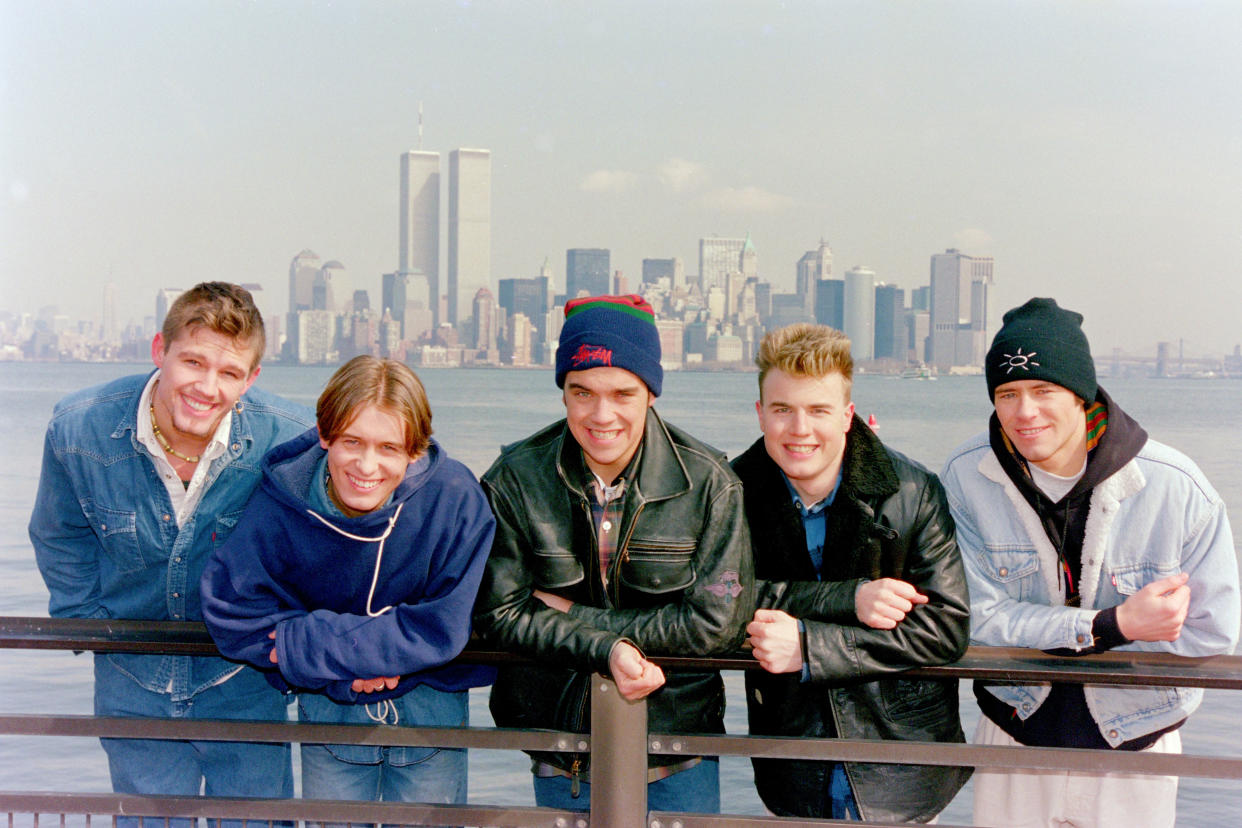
(889, 519)
(680, 583)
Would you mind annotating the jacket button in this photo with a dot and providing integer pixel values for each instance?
(1003, 571)
(103, 526)
(166, 517)
(606, 526)
(237, 447)
(1082, 639)
(1112, 734)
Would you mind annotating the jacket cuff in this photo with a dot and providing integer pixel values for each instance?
(1106, 632)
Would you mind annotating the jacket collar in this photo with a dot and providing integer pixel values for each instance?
(240, 435)
(661, 473)
(867, 471)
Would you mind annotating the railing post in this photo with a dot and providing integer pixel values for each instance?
(618, 757)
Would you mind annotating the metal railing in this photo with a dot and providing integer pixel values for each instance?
(618, 741)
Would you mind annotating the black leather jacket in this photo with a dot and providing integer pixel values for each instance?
(892, 520)
(680, 583)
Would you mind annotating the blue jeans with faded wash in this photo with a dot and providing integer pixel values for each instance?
(378, 773)
(695, 789)
(184, 767)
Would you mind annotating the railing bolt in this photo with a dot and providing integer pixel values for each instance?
(582, 823)
(655, 823)
(561, 822)
(562, 744)
(655, 745)
(582, 745)
(676, 746)
(603, 687)
(677, 823)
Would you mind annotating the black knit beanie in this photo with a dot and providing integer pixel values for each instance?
(1041, 341)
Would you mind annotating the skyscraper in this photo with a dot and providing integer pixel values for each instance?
(469, 230)
(302, 272)
(418, 256)
(587, 269)
(720, 257)
(890, 323)
(672, 269)
(814, 266)
(859, 321)
(830, 303)
(959, 309)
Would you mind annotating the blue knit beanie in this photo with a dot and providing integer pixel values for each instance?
(616, 331)
(1042, 341)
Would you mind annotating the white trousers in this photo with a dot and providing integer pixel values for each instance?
(1055, 799)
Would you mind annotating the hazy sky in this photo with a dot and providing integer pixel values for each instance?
(1094, 149)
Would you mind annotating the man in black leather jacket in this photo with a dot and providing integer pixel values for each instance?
(617, 535)
(827, 501)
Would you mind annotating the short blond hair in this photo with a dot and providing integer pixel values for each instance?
(806, 350)
(384, 383)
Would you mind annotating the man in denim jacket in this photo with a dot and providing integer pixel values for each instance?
(142, 478)
(1080, 535)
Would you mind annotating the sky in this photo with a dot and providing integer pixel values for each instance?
(1094, 149)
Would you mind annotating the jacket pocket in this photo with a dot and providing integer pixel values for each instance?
(555, 569)
(225, 524)
(657, 566)
(918, 704)
(118, 534)
(1013, 570)
(1129, 580)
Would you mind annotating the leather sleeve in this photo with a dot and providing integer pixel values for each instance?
(932, 633)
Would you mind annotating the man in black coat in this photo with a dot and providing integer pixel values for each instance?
(827, 501)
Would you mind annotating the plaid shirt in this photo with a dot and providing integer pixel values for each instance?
(606, 513)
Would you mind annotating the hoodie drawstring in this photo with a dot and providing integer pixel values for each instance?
(379, 557)
(382, 709)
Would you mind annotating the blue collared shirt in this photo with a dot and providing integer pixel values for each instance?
(814, 521)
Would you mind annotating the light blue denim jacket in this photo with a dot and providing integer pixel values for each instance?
(104, 531)
(1156, 516)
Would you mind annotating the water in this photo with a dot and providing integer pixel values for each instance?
(475, 412)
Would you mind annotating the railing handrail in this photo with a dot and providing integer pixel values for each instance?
(1007, 664)
(616, 737)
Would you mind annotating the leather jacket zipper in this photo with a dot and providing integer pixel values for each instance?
(623, 553)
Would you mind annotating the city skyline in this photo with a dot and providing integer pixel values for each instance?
(1083, 146)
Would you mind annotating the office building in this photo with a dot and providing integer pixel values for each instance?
(418, 254)
(890, 323)
(587, 271)
(814, 267)
(959, 309)
(303, 271)
(469, 229)
(720, 257)
(859, 317)
(830, 303)
(671, 269)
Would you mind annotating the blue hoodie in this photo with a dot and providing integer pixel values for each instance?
(415, 563)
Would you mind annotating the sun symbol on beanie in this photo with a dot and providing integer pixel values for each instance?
(1019, 360)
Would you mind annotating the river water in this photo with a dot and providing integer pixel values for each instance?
(478, 410)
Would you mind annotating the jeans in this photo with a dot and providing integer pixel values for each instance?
(843, 804)
(696, 789)
(183, 767)
(377, 773)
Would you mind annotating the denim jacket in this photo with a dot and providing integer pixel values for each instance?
(1154, 517)
(104, 531)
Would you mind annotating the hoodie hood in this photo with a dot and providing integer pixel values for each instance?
(289, 471)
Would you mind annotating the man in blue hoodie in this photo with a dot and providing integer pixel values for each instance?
(350, 579)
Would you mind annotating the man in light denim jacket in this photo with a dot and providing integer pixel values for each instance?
(142, 478)
(1079, 535)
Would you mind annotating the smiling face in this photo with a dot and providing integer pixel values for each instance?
(1046, 424)
(805, 421)
(607, 410)
(202, 376)
(367, 460)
